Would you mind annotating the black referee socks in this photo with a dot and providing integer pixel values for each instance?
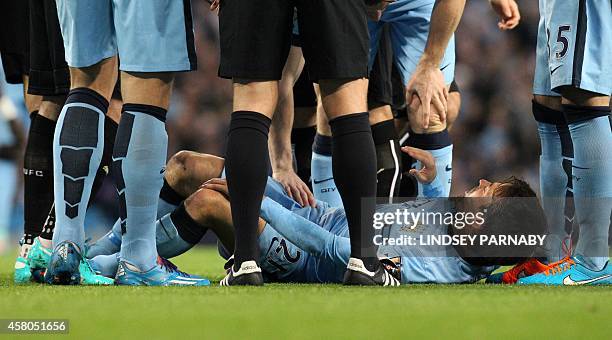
(38, 175)
(246, 168)
(354, 168)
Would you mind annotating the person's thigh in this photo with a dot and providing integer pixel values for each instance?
(579, 44)
(154, 35)
(335, 38)
(409, 32)
(255, 38)
(88, 32)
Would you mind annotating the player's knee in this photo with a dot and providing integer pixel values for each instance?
(180, 165)
(254, 95)
(100, 77)
(204, 204)
(344, 96)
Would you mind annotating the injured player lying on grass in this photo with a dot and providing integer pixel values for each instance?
(303, 244)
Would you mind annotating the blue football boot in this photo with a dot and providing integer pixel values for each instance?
(39, 256)
(571, 272)
(165, 273)
(64, 265)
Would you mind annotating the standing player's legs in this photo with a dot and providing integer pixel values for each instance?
(585, 88)
(77, 150)
(49, 78)
(304, 125)
(336, 42)
(139, 154)
(255, 98)
(556, 152)
(380, 99)
(409, 30)
(90, 51)
(14, 52)
(323, 184)
(138, 163)
(579, 68)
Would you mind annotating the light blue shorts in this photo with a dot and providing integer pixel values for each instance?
(148, 35)
(574, 46)
(280, 260)
(409, 23)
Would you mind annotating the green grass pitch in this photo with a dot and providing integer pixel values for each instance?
(287, 311)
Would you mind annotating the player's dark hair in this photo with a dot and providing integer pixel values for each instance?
(515, 210)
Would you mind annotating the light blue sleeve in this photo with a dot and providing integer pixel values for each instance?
(434, 189)
(441, 185)
(305, 234)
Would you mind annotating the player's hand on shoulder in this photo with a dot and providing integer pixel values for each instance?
(295, 187)
(428, 86)
(427, 173)
(508, 12)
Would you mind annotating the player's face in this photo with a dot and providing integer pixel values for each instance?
(483, 189)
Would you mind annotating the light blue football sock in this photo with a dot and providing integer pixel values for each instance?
(553, 187)
(444, 170)
(77, 152)
(323, 184)
(139, 158)
(556, 190)
(590, 128)
(440, 146)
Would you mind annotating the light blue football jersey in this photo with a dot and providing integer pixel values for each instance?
(321, 235)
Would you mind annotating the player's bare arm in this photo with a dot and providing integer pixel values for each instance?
(279, 144)
(508, 12)
(427, 82)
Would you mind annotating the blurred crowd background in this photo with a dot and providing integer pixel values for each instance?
(495, 134)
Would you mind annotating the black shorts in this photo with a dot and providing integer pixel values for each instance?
(256, 36)
(49, 74)
(385, 86)
(14, 47)
(303, 91)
